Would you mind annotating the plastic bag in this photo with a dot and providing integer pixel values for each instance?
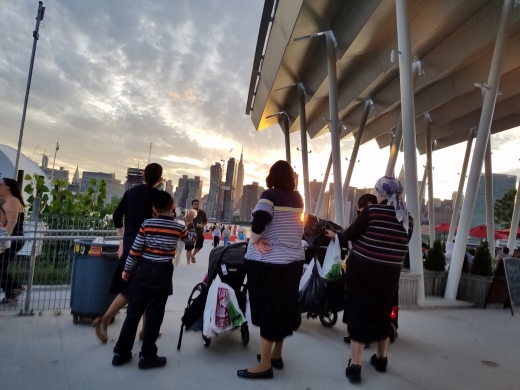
(332, 264)
(312, 297)
(307, 274)
(222, 312)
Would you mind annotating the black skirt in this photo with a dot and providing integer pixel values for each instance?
(371, 291)
(273, 295)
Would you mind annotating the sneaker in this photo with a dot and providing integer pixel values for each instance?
(119, 360)
(353, 372)
(379, 363)
(158, 361)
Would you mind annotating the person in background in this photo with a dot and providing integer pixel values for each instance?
(13, 216)
(449, 251)
(216, 236)
(150, 259)
(424, 249)
(274, 263)
(235, 230)
(373, 272)
(226, 233)
(135, 206)
(200, 221)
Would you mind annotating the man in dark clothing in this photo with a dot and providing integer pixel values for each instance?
(199, 221)
(135, 207)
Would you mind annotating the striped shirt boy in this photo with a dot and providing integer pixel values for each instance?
(157, 240)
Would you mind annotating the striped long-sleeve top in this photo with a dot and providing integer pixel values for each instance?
(277, 217)
(377, 235)
(157, 240)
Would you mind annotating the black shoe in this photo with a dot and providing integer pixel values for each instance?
(346, 339)
(158, 361)
(353, 372)
(379, 363)
(119, 360)
(275, 362)
(267, 374)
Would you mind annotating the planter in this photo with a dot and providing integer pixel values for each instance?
(474, 288)
(408, 289)
(429, 281)
(435, 282)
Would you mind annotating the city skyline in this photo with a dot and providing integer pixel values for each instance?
(105, 93)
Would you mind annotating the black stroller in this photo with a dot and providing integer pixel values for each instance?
(333, 296)
(228, 263)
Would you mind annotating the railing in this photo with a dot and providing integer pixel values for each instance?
(44, 264)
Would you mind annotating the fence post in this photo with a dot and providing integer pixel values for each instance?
(34, 219)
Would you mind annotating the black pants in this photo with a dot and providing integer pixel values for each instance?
(7, 282)
(216, 241)
(149, 290)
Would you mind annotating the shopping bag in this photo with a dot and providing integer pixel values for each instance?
(307, 274)
(312, 297)
(332, 263)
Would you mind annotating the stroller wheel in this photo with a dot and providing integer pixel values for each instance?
(244, 332)
(393, 334)
(329, 319)
(206, 341)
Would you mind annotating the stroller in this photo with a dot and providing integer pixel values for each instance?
(334, 294)
(228, 263)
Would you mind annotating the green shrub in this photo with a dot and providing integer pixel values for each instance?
(482, 262)
(406, 261)
(435, 259)
(472, 251)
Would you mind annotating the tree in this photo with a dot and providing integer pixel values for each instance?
(504, 208)
(482, 261)
(435, 259)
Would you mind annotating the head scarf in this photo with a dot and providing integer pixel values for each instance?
(392, 189)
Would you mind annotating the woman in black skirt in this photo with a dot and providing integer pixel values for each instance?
(274, 263)
(379, 236)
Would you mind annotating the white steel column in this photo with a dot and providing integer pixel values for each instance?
(423, 185)
(490, 213)
(406, 76)
(285, 127)
(483, 132)
(305, 155)
(460, 190)
(353, 157)
(321, 196)
(429, 166)
(515, 220)
(334, 125)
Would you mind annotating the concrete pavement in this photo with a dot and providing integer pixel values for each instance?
(436, 349)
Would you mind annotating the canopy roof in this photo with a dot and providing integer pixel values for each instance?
(453, 40)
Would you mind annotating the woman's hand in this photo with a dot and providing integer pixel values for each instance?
(330, 233)
(125, 275)
(262, 246)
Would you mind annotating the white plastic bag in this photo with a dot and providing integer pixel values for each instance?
(221, 312)
(332, 264)
(307, 274)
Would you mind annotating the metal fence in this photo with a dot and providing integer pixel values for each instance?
(45, 262)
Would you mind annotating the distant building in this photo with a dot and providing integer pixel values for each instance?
(134, 177)
(501, 184)
(250, 197)
(187, 190)
(169, 187)
(57, 174)
(229, 190)
(215, 178)
(75, 179)
(114, 186)
(240, 181)
(204, 203)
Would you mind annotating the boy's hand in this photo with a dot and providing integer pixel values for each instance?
(125, 275)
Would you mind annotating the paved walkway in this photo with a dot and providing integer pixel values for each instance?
(436, 349)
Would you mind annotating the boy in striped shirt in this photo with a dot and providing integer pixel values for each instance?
(151, 259)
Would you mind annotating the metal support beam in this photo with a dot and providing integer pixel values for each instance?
(515, 220)
(285, 128)
(334, 125)
(321, 196)
(305, 155)
(353, 157)
(429, 166)
(481, 142)
(406, 76)
(460, 195)
(423, 185)
(490, 214)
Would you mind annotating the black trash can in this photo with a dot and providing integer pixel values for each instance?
(94, 267)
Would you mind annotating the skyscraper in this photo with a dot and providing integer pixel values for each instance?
(214, 186)
(187, 190)
(134, 177)
(229, 189)
(240, 180)
(250, 198)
